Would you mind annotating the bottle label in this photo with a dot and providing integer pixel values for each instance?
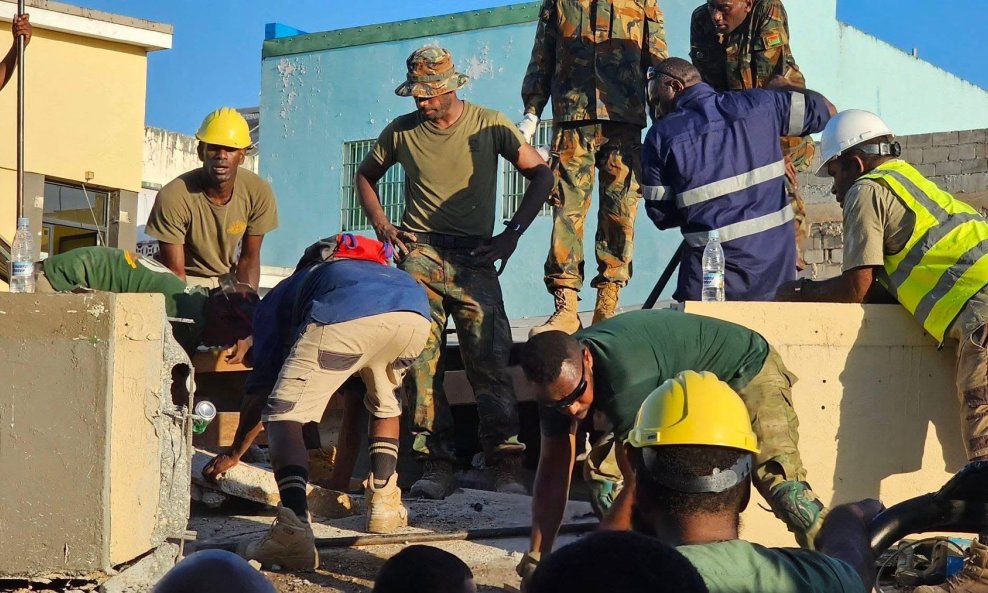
(21, 268)
(713, 280)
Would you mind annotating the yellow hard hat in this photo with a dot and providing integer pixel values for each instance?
(225, 127)
(693, 409)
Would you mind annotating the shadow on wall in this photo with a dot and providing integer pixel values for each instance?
(894, 409)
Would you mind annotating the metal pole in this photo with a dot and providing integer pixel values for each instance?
(664, 278)
(20, 117)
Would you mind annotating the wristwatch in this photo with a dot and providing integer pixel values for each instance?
(514, 226)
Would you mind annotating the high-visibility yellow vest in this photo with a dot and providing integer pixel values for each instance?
(944, 262)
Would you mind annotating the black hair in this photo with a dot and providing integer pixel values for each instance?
(680, 69)
(542, 357)
(213, 571)
(616, 561)
(422, 569)
(688, 461)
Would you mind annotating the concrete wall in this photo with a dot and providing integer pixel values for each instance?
(313, 102)
(878, 412)
(85, 436)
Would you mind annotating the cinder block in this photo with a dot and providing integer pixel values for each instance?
(945, 139)
(963, 152)
(972, 136)
(981, 150)
(936, 154)
(912, 154)
(814, 256)
(926, 169)
(917, 140)
(962, 167)
(833, 241)
(836, 256)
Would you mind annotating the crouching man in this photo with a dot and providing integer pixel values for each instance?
(349, 314)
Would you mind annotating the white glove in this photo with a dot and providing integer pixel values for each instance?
(528, 125)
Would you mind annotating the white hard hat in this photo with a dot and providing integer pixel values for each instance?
(846, 129)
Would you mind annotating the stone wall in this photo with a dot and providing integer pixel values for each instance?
(956, 161)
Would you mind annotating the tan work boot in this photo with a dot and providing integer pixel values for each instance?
(607, 301)
(973, 578)
(385, 513)
(288, 544)
(566, 318)
(437, 481)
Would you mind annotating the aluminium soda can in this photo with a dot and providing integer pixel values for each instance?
(203, 414)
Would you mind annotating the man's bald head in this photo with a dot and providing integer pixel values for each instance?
(214, 571)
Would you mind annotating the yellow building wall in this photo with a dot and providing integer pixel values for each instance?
(84, 111)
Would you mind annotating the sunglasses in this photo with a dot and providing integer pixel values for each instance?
(576, 394)
(652, 72)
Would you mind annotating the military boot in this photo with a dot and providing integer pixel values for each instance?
(800, 509)
(288, 544)
(385, 513)
(566, 318)
(973, 577)
(607, 301)
(437, 481)
(507, 475)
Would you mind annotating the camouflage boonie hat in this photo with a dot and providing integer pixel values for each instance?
(430, 73)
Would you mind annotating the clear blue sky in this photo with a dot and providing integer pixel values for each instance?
(217, 44)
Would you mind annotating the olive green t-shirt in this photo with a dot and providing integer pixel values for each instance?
(183, 215)
(737, 566)
(637, 351)
(450, 174)
(115, 270)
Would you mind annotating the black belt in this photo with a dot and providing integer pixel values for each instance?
(448, 241)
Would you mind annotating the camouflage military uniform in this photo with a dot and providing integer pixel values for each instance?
(591, 57)
(747, 58)
(460, 286)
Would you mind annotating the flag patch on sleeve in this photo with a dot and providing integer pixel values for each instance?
(772, 39)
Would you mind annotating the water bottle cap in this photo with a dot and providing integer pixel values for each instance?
(714, 234)
(23, 222)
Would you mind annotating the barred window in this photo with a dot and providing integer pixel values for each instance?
(515, 183)
(391, 188)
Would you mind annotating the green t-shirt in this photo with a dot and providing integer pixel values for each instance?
(119, 271)
(738, 566)
(183, 215)
(635, 352)
(450, 174)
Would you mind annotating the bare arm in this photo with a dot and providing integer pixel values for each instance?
(844, 535)
(249, 264)
(551, 489)
(619, 516)
(173, 256)
(366, 179)
(248, 427)
(850, 287)
(20, 26)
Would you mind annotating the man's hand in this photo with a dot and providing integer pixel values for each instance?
(22, 26)
(389, 233)
(238, 353)
(790, 292)
(218, 466)
(791, 173)
(498, 248)
(844, 535)
(528, 126)
(525, 569)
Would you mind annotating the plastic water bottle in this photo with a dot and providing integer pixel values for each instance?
(22, 258)
(713, 269)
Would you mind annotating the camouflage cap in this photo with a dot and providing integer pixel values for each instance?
(430, 73)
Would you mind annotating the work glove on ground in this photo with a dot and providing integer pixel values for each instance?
(526, 568)
(529, 124)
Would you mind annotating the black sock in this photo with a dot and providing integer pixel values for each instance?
(292, 481)
(384, 459)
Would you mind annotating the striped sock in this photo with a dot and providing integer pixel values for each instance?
(384, 459)
(292, 481)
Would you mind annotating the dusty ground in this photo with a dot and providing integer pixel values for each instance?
(352, 570)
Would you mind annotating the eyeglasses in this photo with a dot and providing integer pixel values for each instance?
(652, 72)
(576, 394)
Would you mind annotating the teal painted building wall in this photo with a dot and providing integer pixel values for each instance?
(319, 91)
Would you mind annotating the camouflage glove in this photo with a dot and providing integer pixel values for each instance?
(525, 569)
(529, 124)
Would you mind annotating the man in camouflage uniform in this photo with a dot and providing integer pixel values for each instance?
(743, 44)
(591, 57)
(449, 150)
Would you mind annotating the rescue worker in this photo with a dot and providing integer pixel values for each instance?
(693, 452)
(351, 314)
(204, 216)
(925, 248)
(214, 318)
(19, 26)
(449, 150)
(713, 164)
(743, 44)
(590, 56)
(599, 377)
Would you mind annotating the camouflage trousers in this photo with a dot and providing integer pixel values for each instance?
(798, 151)
(768, 398)
(461, 287)
(615, 150)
